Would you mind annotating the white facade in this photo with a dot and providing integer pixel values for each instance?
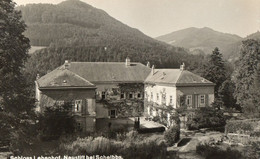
(166, 94)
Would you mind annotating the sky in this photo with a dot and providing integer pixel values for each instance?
(159, 17)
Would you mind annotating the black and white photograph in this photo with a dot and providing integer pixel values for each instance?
(129, 79)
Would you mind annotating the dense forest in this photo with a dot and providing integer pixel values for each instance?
(76, 31)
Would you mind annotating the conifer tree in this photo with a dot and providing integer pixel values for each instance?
(215, 70)
(246, 77)
(14, 97)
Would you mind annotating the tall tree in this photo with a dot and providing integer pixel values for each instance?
(226, 94)
(215, 70)
(14, 46)
(246, 77)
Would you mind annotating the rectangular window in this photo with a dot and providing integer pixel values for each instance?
(112, 113)
(145, 94)
(79, 128)
(78, 105)
(122, 95)
(103, 95)
(202, 100)
(130, 95)
(189, 100)
(151, 96)
(139, 95)
(157, 96)
(164, 98)
(171, 100)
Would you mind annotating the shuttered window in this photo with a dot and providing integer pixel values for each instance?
(202, 100)
(78, 105)
(189, 100)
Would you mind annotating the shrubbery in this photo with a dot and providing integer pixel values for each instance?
(213, 152)
(172, 135)
(206, 118)
(54, 122)
(127, 148)
(240, 126)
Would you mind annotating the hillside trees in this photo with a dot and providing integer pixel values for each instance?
(246, 77)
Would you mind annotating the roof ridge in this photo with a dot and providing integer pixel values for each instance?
(80, 77)
(179, 76)
(105, 62)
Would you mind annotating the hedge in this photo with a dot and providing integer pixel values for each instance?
(127, 149)
(240, 126)
(151, 130)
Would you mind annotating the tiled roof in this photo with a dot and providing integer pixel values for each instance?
(63, 78)
(101, 72)
(85, 73)
(176, 77)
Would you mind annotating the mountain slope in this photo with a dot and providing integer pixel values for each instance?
(205, 39)
(76, 31)
(71, 19)
(232, 50)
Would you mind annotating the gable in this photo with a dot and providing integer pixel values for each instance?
(63, 78)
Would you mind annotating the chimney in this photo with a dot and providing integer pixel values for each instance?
(148, 64)
(38, 76)
(182, 67)
(66, 64)
(127, 62)
(152, 71)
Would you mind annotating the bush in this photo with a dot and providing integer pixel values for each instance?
(213, 152)
(172, 135)
(132, 135)
(156, 119)
(126, 149)
(239, 126)
(206, 118)
(151, 130)
(55, 121)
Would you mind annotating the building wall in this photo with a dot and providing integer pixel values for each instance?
(167, 90)
(154, 107)
(49, 98)
(102, 112)
(195, 92)
(112, 92)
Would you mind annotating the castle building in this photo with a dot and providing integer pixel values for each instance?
(117, 90)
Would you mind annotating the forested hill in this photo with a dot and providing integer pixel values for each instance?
(204, 39)
(73, 21)
(76, 31)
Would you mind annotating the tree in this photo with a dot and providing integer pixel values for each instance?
(206, 117)
(226, 91)
(246, 77)
(14, 95)
(56, 121)
(215, 70)
(172, 135)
